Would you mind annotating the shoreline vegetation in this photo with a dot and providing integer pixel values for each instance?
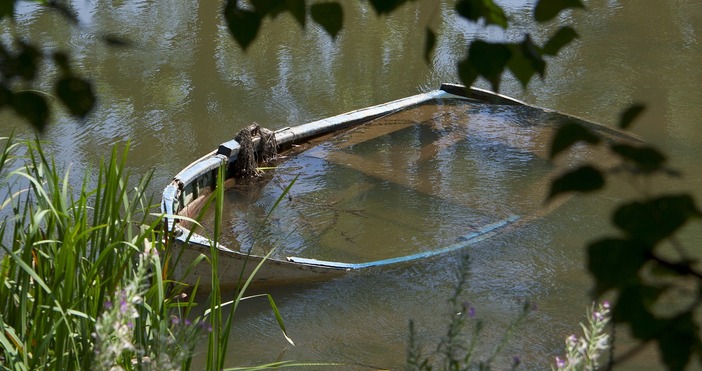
(85, 266)
(86, 282)
(85, 273)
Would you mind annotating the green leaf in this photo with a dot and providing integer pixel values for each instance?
(5, 96)
(632, 307)
(328, 15)
(63, 10)
(646, 159)
(630, 114)
(28, 61)
(563, 37)
(474, 10)
(494, 14)
(298, 9)
(282, 196)
(657, 219)
(268, 7)
(615, 263)
(470, 9)
(489, 60)
(7, 8)
(32, 107)
(386, 6)
(273, 8)
(77, 95)
(61, 61)
(242, 24)
(467, 73)
(279, 319)
(583, 179)
(526, 61)
(678, 341)
(546, 10)
(429, 44)
(569, 134)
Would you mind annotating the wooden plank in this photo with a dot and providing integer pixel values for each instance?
(370, 132)
(430, 151)
(376, 170)
(420, 115)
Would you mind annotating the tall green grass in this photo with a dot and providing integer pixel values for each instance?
(86, 284)
(84, 270)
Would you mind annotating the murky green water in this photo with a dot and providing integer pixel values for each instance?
(414, 181)
(184, 87)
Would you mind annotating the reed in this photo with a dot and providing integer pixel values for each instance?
(84, 270)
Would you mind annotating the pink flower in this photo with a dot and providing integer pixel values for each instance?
(572, 339)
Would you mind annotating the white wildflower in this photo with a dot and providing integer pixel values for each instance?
(583, 352)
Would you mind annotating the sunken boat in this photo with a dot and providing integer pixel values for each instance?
(413, 179)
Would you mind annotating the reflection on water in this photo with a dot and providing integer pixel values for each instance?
(184, 87)
(408, 182)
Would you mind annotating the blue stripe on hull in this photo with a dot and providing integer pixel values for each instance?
(463, 242)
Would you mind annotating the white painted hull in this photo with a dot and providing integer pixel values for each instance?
(185, 195)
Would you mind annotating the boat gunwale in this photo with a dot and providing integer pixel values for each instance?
(175, 203)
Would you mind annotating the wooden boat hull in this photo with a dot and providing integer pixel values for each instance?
(235, 268)
(190, 188)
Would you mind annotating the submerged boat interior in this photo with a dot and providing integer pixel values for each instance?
(389, 184)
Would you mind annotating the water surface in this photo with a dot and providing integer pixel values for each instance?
(184, 87)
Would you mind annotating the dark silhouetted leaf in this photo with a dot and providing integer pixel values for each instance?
(474, 10)
(615, 263)
(546, 10)
(582, 179)
(526, 61)
(61, 61)
(429, 44)
(28, 61)
(386, 6)
(298, 9)
(489, 60)
(563, 37)
(269, 7)
(632, 307)
(63, 10)
(646, 159)
(242, 24)
(470, 9)
(467, 73)
(630, 114)
(5, 96)
(273, 8)
(654, 220)
(569, 134)
(678, 341)
(117, 41)
(494, 14)
(32, 107)
(76, 94)
(328, 15)
(7, 9)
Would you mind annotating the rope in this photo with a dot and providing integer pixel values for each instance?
(246, 164)
(270, 145)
